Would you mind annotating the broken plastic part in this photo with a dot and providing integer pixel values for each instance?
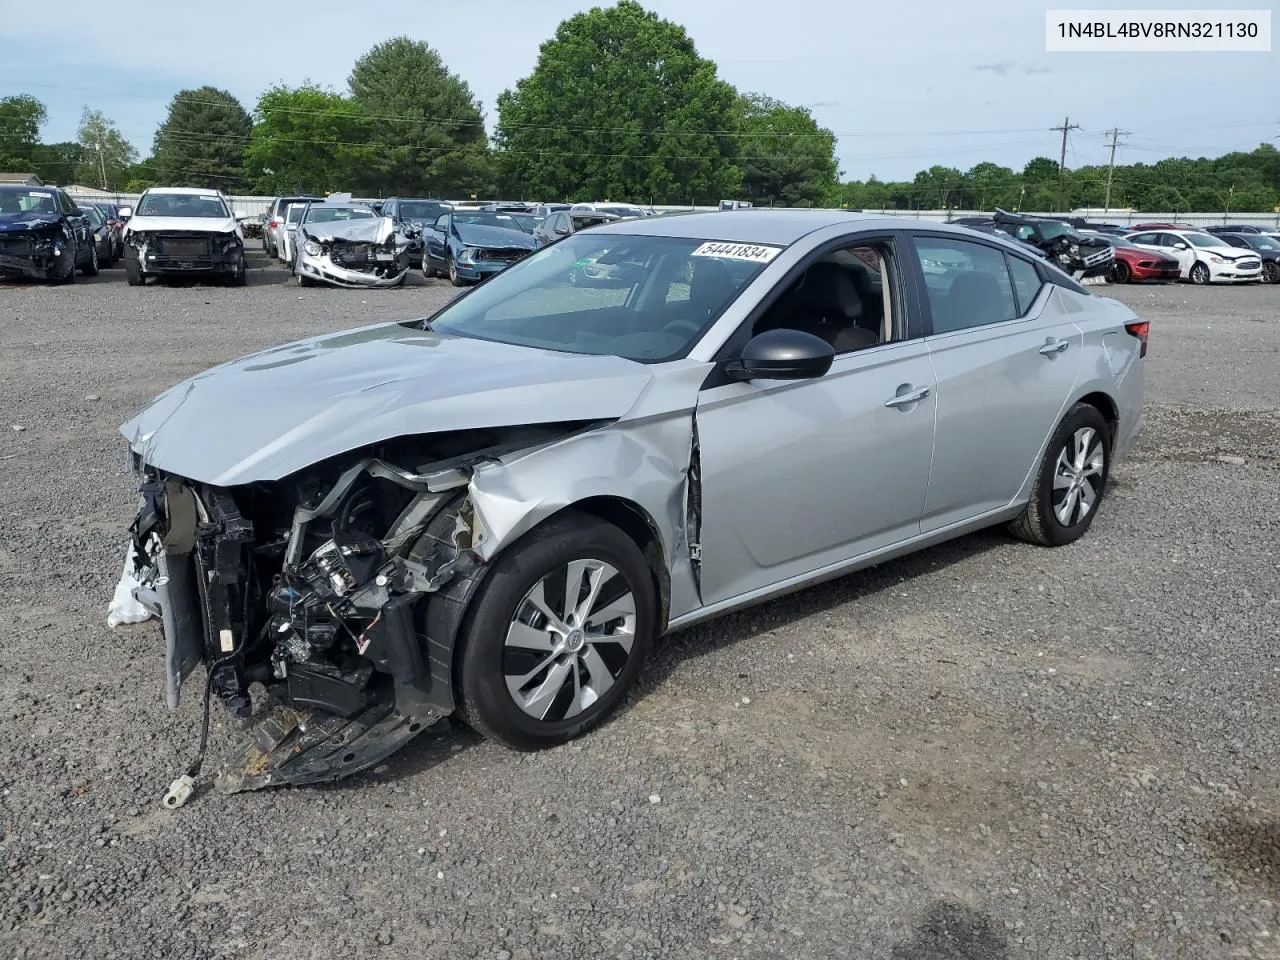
(179, 792)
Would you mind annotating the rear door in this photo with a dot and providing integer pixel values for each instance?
(1006, 356)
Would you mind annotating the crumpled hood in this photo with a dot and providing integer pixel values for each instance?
(267, 415)
(483, 235)
(169, 224)
(376, 230)
(27, 220)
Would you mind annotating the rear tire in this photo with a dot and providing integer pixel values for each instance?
(1072, 478)
(602, 642)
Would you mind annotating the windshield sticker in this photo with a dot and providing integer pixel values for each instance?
(751, 252)
(40, 193)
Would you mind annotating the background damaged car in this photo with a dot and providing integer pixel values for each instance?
(44, 235)
(349, 245)
(183, 232)
(495, 511)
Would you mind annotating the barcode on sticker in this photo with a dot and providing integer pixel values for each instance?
(753, 252)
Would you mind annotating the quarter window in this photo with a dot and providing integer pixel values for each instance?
(968, 284)
(1026, 283)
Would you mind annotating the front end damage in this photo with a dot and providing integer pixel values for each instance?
(37, 248)
(185, 252)
(355, 253)
(324, 606)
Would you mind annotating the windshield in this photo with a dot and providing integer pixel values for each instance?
(1053, 229)
(525, 221)
(330, 214)
(202, 205)
(421, 210)
(22, 200)
(95, 216)
(506, 220)
(621, 211)
(1204, 240)
(647, 299)
(1259, 242)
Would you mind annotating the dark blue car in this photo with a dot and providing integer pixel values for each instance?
(469, 245)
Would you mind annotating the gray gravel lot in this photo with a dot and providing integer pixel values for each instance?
(986, 751)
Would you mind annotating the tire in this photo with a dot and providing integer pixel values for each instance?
(1120, 272)
(70, 275)
(1080, 447)
(1199, 274)
(91, 268)
(546, 558)
(1271, 272)
(456, 280)
(239, 278)
(303, 280)
(133, 272)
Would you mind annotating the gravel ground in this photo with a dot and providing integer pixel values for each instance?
(986, 751)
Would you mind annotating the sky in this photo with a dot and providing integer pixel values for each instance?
(905, 85)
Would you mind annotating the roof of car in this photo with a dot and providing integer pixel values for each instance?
(189, 191)
(761, 226)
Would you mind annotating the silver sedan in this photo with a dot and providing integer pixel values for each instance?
(497, 510)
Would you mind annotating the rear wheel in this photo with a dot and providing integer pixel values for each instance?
(1199, 273)
(1120, 272)
(1071, 481)
(557, 633)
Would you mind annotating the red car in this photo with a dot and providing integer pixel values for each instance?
(1133, 264)
(1162, 226)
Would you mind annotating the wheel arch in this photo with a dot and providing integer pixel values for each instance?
(1106, 406)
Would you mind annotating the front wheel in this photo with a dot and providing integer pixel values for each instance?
(1071, 481)
(456, 280)
(133, 271)
(1199, 273)
(1271, 272)
(91, 268)
(556, 634)
(1120, 272)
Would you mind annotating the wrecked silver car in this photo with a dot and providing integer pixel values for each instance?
(349, 245)
(493, 512)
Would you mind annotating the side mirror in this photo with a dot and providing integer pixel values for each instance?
(783, 355)
(125, 213)
(1180, 246)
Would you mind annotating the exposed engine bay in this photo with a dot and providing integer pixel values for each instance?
(1075, 254)
(365, 252)
(161, 252)
(313, 587)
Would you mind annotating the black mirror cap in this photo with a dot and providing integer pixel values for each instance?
(783, 354)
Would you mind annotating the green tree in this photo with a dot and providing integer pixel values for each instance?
(620, 106)
(56, 162)
(202, 141)
(784, 155)
(991, 185)
(307, 138)
(105, 155)
(939, 188)
(1040, 169)
(21, 118)
(426, 122)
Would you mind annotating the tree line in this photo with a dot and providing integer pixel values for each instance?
(619, 106)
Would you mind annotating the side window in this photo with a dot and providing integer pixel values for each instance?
(560, 224)
(1025, 232)
(968, 284)
(442, 223)
(68, 205)
(1026, 283)
(844, 297)
(1146, 239)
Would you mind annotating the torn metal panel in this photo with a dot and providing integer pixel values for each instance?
(375, 230)
(359, 252)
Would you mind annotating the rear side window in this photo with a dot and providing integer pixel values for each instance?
(968, 284)
(1026, 283)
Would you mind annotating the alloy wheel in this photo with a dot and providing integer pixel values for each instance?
(1199, 273)
(569, 640)
(1078, 476)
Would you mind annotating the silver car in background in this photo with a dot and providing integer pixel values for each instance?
(497, 510)
(350, 245)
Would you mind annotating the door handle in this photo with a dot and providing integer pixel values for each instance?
(1054, 346)
(911, 396)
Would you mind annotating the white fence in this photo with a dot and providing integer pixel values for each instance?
(253, 206)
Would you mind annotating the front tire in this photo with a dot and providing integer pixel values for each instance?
(456, 280)
(133, 271)
(1199, 274)
(533, 674)
(1071, 482)
(1120, 272)
(91, 268)
(1271, 272)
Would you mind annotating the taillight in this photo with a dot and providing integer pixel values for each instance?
(273, 224)
(1140, 329)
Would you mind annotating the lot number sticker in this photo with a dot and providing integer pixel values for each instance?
(753, 253)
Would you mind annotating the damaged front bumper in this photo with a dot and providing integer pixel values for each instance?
(388, 272)
(35, 258)
(186, 254)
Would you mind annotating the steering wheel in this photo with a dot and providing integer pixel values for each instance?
(686, 327)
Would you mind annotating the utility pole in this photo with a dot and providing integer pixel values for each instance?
(1067, 127)
(1226, 213)
(102, 165)
(1115, 133)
